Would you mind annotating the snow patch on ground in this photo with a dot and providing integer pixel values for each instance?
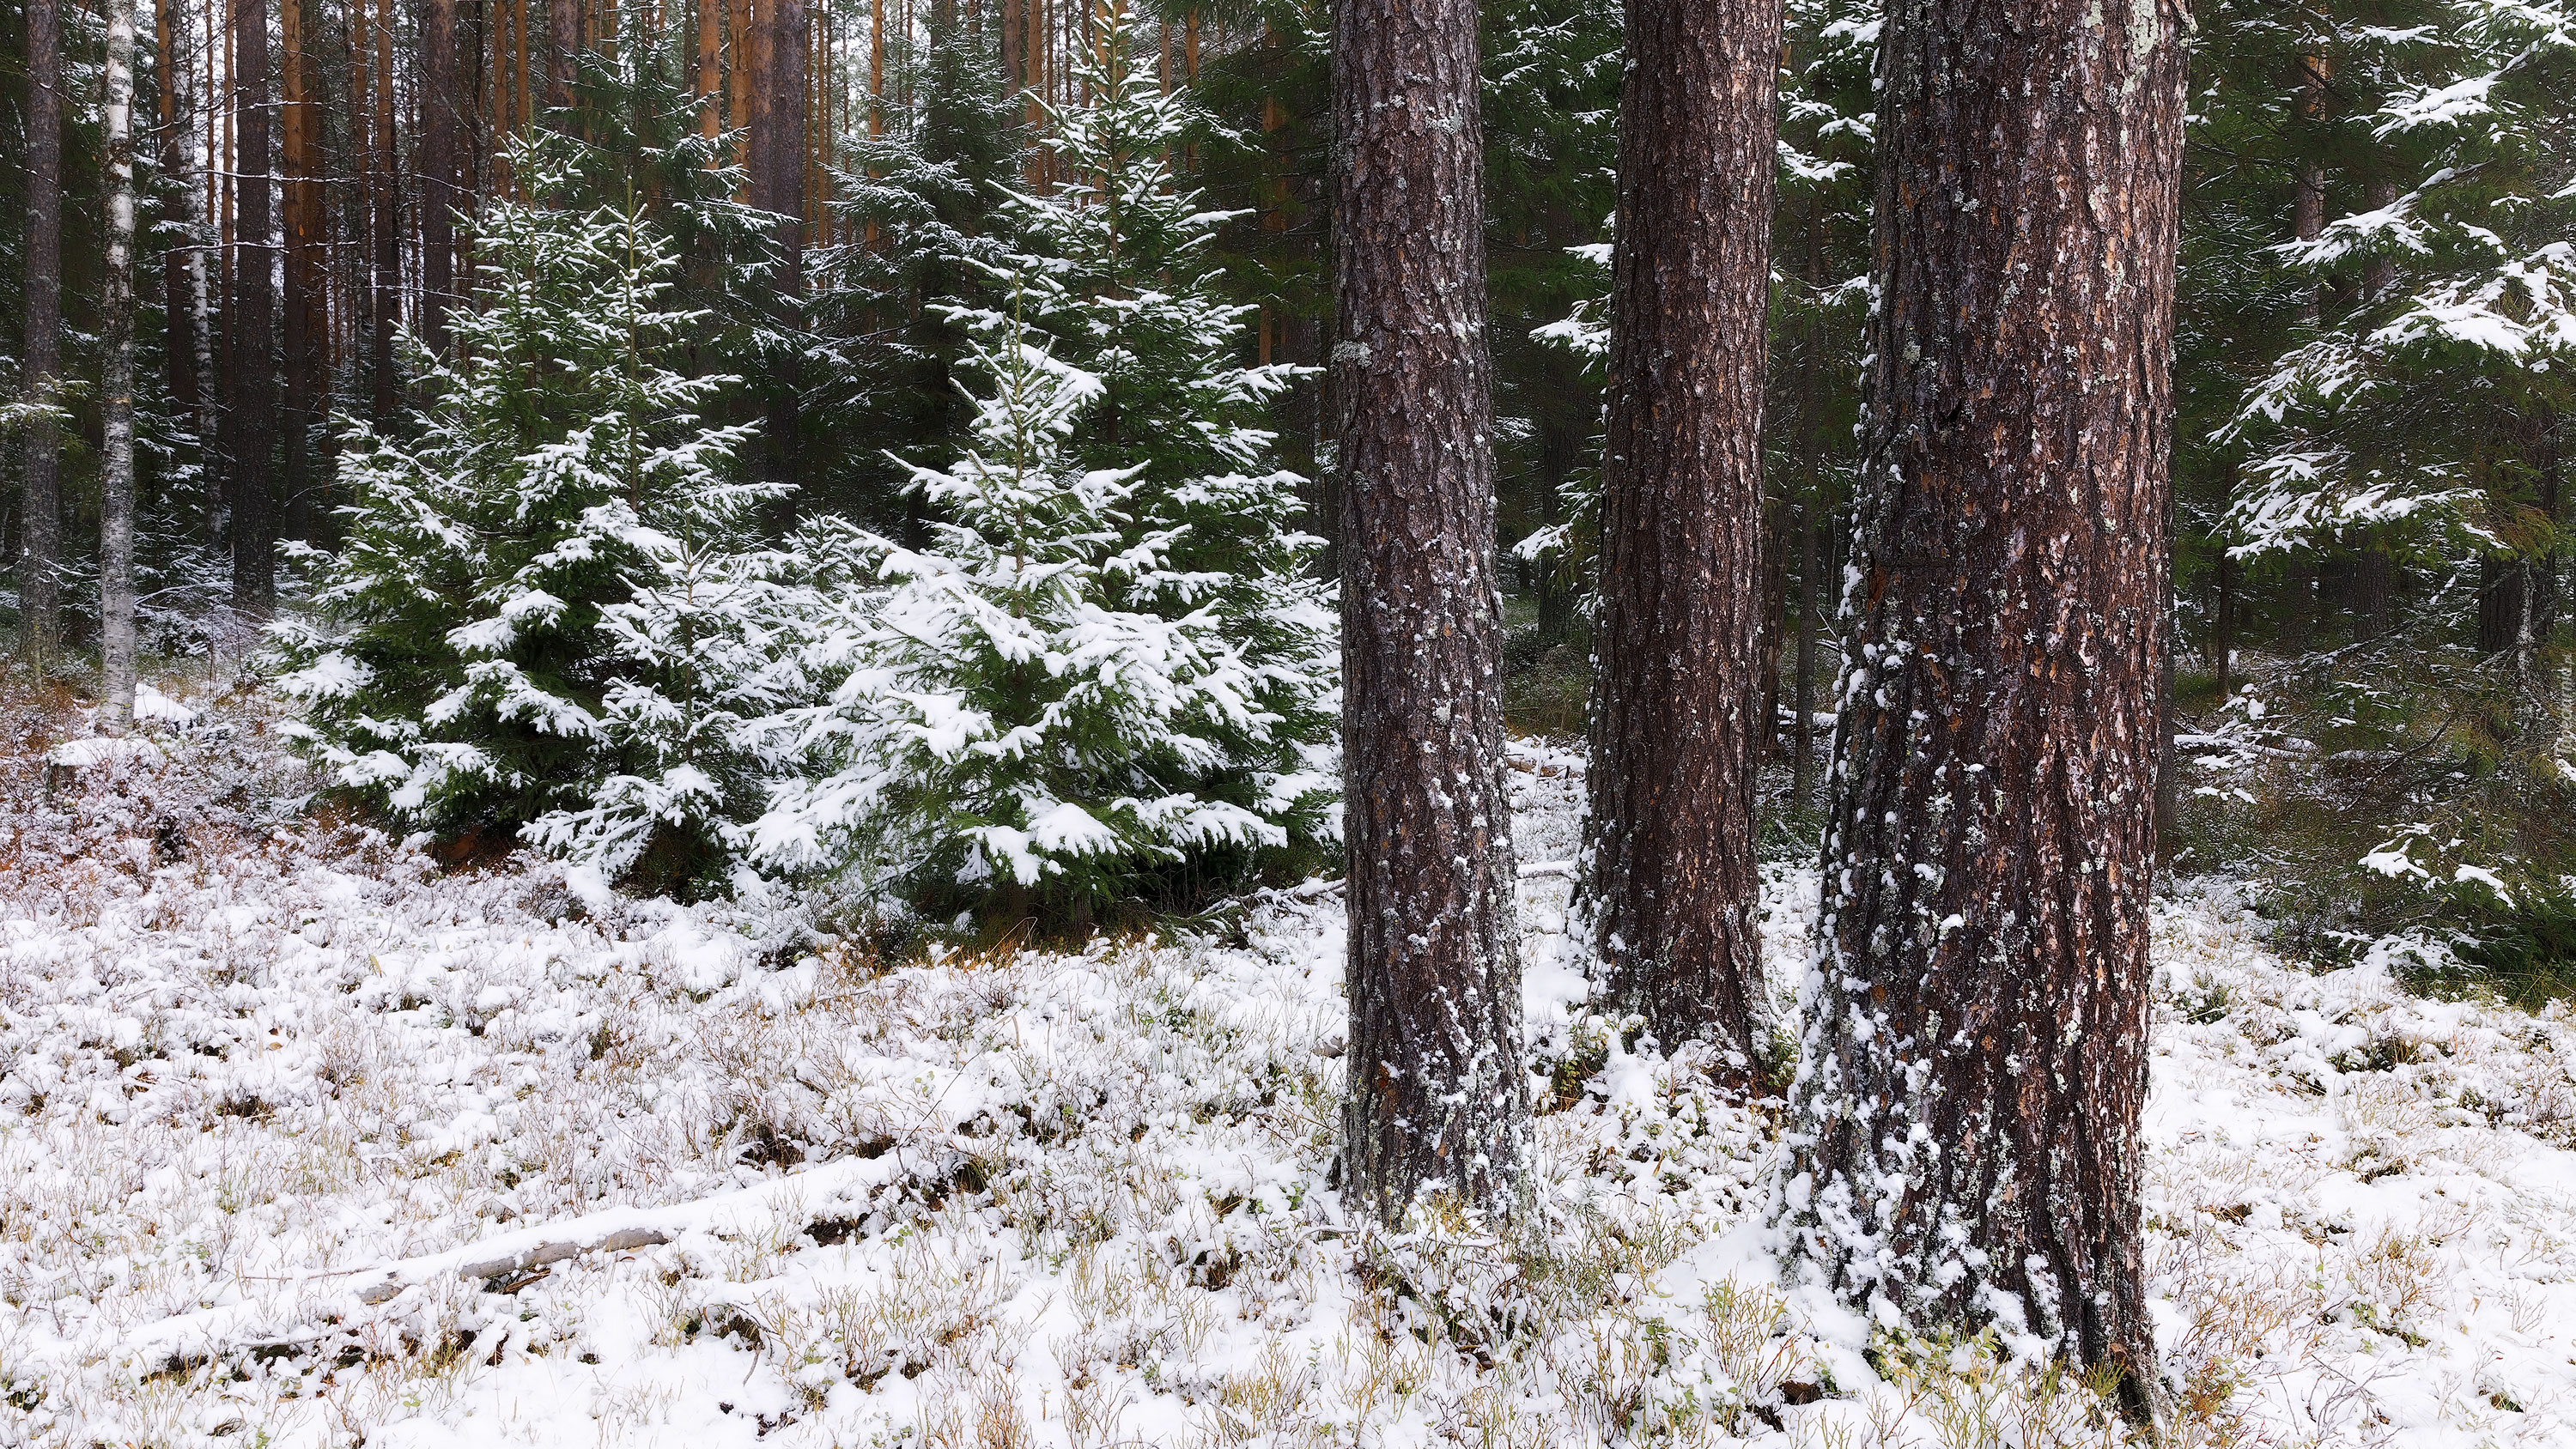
(302, 1140)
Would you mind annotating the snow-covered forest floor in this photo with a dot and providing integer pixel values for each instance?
(303, 1141)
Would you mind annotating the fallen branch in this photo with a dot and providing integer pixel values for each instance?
(309, 1305)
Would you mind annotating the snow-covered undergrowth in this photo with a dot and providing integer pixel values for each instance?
(305, 1142)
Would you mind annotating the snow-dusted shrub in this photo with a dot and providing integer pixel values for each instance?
(1111, 658)
(543, 614)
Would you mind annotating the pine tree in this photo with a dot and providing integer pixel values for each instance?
(1437, 1113)
(537, 619)
(1678, 699)
(1109, 661)
(1113, 268)
(1967, 1149)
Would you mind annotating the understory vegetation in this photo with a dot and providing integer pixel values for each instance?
(310, 1139)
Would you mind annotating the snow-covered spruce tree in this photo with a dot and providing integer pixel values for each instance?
(542, 617)
(1110, 672)
(2417, 415)
(1113, 269)
(916, 199)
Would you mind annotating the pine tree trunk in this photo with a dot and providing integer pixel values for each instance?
(304, 319)
(116, 379)
(1672, 890)
(563, 40)
(1967, 1134)
(442, 106)
(250, 322)
(40, 526)
(706, 63)
(1014, 44)
(778, 184)
(1437, 1108)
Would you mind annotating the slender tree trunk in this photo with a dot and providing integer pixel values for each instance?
(2379, 273)
(179, 315)
(778, 184)
(206, 281)
(1967, 1141)
(1802, 773)
(40, 523)
(706, 64)
(1811, 590)
(1672, 889)
(2374, 588)
(384, 204)
(442, 106)
(2168, 784)
(563, 41)
(2308, 200)
(2222, 644)
(1437, 1108)
(251, 320)
(739, 72)
(305, 317)
(116, 379)
(1014, 42)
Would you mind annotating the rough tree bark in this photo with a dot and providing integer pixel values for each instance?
(1436, 1108)
(251, 421)
(1966, 1146)
(116, 379)
(40, 526)
(1672, 887)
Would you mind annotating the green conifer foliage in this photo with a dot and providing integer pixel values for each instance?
(1110, 671)
(539, 618)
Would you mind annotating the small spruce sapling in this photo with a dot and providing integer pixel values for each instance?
(542, 618)
(1112, 659)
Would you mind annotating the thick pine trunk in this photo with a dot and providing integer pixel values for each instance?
(250, 321)
(116, 379)
(1672, 888)
(1967, 1140)
(1437, 1107)
(443, 107)
(40, 526)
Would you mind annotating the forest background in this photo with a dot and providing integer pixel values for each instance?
(2373, 692)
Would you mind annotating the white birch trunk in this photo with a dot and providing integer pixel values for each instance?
(116, 485)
